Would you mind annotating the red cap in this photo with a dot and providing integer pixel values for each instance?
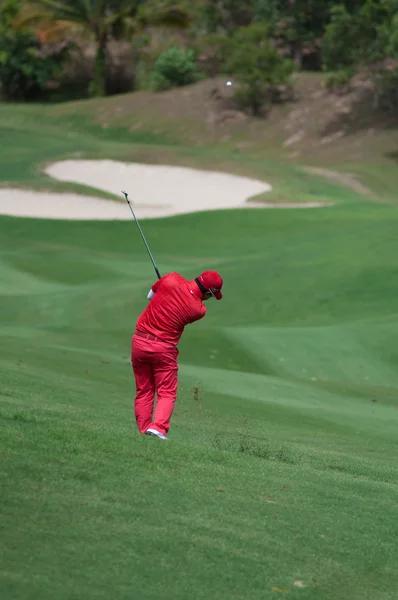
(212, 281)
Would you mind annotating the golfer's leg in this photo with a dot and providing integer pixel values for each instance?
(166, 381)
(145, 395)
(145, 388)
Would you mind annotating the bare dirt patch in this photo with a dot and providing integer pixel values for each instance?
(350, 180)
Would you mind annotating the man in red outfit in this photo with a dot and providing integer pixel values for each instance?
(174, 303)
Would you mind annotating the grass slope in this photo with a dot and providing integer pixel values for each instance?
(34, 136)
(320, 128)
(279, 476)
(279, 472)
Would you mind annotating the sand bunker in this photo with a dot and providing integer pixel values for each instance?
(43, 205)
(161, 191)
(154, 191)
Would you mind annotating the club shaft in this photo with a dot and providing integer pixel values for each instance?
(142, 235)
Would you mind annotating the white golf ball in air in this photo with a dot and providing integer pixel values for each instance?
(229, 83)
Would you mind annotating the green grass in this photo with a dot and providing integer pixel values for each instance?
(280, 469)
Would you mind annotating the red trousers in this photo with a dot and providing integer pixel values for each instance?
(155, 370)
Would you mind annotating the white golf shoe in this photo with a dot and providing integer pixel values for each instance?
(155, 434)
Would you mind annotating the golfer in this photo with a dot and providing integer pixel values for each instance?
(174, 302)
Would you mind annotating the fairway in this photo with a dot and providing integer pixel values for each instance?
(280, 476)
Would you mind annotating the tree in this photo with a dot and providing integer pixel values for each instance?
(299, 24)
(393, 37)
(374, 23)
(99, 18)
(257, 66)
(362, 37)
(339, 47)
(104, 19)
(24, 69)
(365, 41)
(224, 16)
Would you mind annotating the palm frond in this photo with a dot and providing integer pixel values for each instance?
(173, 17)
(163, 14)
(64, 10)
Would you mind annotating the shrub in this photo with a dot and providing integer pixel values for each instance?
(337, 79)
(174, 68)
(386, 89)
(24, 72)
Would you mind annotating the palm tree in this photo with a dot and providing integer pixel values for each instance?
(98, 18)
(103, 18)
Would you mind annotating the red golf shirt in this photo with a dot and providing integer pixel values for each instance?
(176, 303)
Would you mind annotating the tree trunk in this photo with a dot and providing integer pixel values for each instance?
(298, 53)
(98, 83)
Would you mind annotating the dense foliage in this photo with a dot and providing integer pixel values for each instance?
(255, 41)
(24, 69)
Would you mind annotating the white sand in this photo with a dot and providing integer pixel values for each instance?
(154, 191)
(25, 203)
(161, 191)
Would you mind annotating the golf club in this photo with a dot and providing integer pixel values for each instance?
(143, 237)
